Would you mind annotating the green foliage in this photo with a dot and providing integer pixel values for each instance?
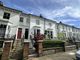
(61, 36)
(53, 43)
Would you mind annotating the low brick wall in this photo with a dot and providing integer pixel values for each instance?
(39, 48)
(71, 47)
(6, 50)
(52, 50)
(25, 50)
(47, 52)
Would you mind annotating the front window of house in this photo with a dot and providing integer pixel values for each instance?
(38, 22)
(2, 30)
(6, 15)
(27, 20)
(48, 34)
(21, 19)
(63, 28)
(36, 31)
(69, 28)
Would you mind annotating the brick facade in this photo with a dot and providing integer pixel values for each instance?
(6, 50)
(39, 47)
(25, 50)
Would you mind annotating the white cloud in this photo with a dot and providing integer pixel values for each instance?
(71, 24)
(72, 12)
(68, 20)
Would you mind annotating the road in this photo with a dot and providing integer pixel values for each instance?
(69, 55)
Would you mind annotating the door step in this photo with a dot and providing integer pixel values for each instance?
(32, 55)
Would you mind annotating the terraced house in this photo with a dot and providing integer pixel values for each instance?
(16, 23)
(68, 31)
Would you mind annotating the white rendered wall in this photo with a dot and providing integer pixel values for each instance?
(14, 19)
(24, 25)
(52, 27)
(33, 24)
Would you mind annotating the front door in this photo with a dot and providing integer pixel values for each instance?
(38, 31)
(26, 33)
(19, 33)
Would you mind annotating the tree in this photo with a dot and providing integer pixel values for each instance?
(61, 36)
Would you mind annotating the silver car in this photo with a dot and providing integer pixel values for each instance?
(78, 55)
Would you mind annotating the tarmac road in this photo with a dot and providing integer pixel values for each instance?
(69, 55)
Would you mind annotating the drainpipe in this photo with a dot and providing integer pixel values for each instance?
(44, 25)
(29, 27)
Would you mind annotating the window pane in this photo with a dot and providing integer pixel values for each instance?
(38, 31)
(45, 32)
(34, 32)
(37, 22)
(6, 15)
(27, 20)
(21, 19)
(51, 34)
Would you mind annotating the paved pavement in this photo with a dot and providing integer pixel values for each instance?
(69, 55)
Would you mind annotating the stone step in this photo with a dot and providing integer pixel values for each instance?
(17, 48)
(32, 55)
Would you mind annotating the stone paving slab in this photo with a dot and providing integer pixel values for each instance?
(69, 55)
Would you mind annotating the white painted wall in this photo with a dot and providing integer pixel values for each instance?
(14, 19)
(33, 24)
(24, 25)
(15, 24)
(52, 27)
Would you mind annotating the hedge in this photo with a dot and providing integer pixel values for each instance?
(53, 43)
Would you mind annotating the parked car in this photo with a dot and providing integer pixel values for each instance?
(78, 55)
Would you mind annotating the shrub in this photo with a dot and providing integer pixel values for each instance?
(53, 43)
(38, 37)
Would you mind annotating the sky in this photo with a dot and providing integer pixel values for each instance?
(66, 11)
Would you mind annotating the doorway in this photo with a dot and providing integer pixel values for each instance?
(19, 33)
(26, 33)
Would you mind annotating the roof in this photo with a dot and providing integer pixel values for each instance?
(15, 10)
(8, 8)
(68, 25)
(43, 18)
